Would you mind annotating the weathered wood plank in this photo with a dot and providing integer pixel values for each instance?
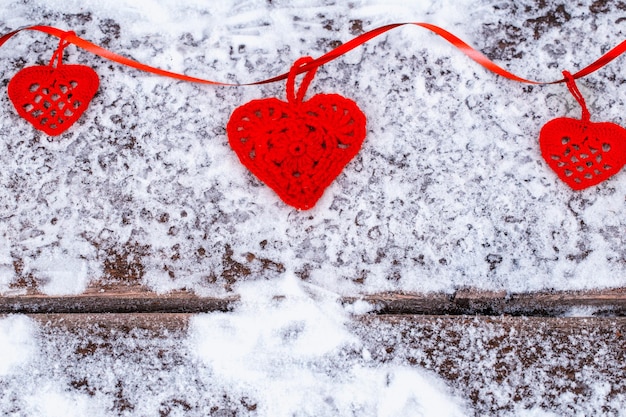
(508, 364)
(598, 303)
(569, 366)
(114, 299)
(137, 299)
(154, 324)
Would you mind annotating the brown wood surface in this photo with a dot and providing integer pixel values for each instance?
(124, 298)
(598, 303)
(119, 298)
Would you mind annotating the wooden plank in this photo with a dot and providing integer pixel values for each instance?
(495, 363)
(506, 364)
(123, 298)
(554, 303)
(154, 324)
(114, 299)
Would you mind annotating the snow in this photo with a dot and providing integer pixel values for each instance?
(17, 343)
(449, 191)
(290, 350)
(60, 274)
(450, 176)
(287, 349)
(50, 401)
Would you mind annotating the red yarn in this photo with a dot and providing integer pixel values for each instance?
(581, 152)
(297, 148)
(53, 98)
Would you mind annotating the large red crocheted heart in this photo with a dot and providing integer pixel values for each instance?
(583, 153)
(50, 98)
(297, 148)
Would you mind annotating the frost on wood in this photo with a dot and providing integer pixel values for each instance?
(449, 189)
(291, 348)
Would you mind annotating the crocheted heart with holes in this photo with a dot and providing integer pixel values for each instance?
(298, 147)
(581, 152)
(53, 97)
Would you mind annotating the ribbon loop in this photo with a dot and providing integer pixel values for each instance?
(58, 54)
(573, 88)
(291, 80)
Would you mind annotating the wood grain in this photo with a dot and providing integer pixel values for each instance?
(124, 298)
(114, 299)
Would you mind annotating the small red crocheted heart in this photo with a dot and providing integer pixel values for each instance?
(581, 152)
(297, 148)
(52, 99)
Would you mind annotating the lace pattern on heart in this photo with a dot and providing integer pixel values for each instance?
(297, 147)
(581, 152)
(53, 97)
(50, 105)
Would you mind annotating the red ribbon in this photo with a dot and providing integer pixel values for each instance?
(70, 38)
(573, 88)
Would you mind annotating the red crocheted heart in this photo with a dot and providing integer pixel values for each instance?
(50, 98)
(298, 147)
(583, 153)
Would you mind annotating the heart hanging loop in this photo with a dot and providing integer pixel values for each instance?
(291, 80)
(573, 88)
(58, 54)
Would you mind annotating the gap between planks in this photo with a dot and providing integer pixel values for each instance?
(137, 299)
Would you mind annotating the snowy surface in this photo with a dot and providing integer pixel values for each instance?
(293, 352)
(449, 189)
(290, 349)
(17, 343)
(286, 351)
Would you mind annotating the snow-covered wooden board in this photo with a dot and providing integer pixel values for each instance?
(493, 364)
(499, 365)
(153, 275)
(448, 191)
